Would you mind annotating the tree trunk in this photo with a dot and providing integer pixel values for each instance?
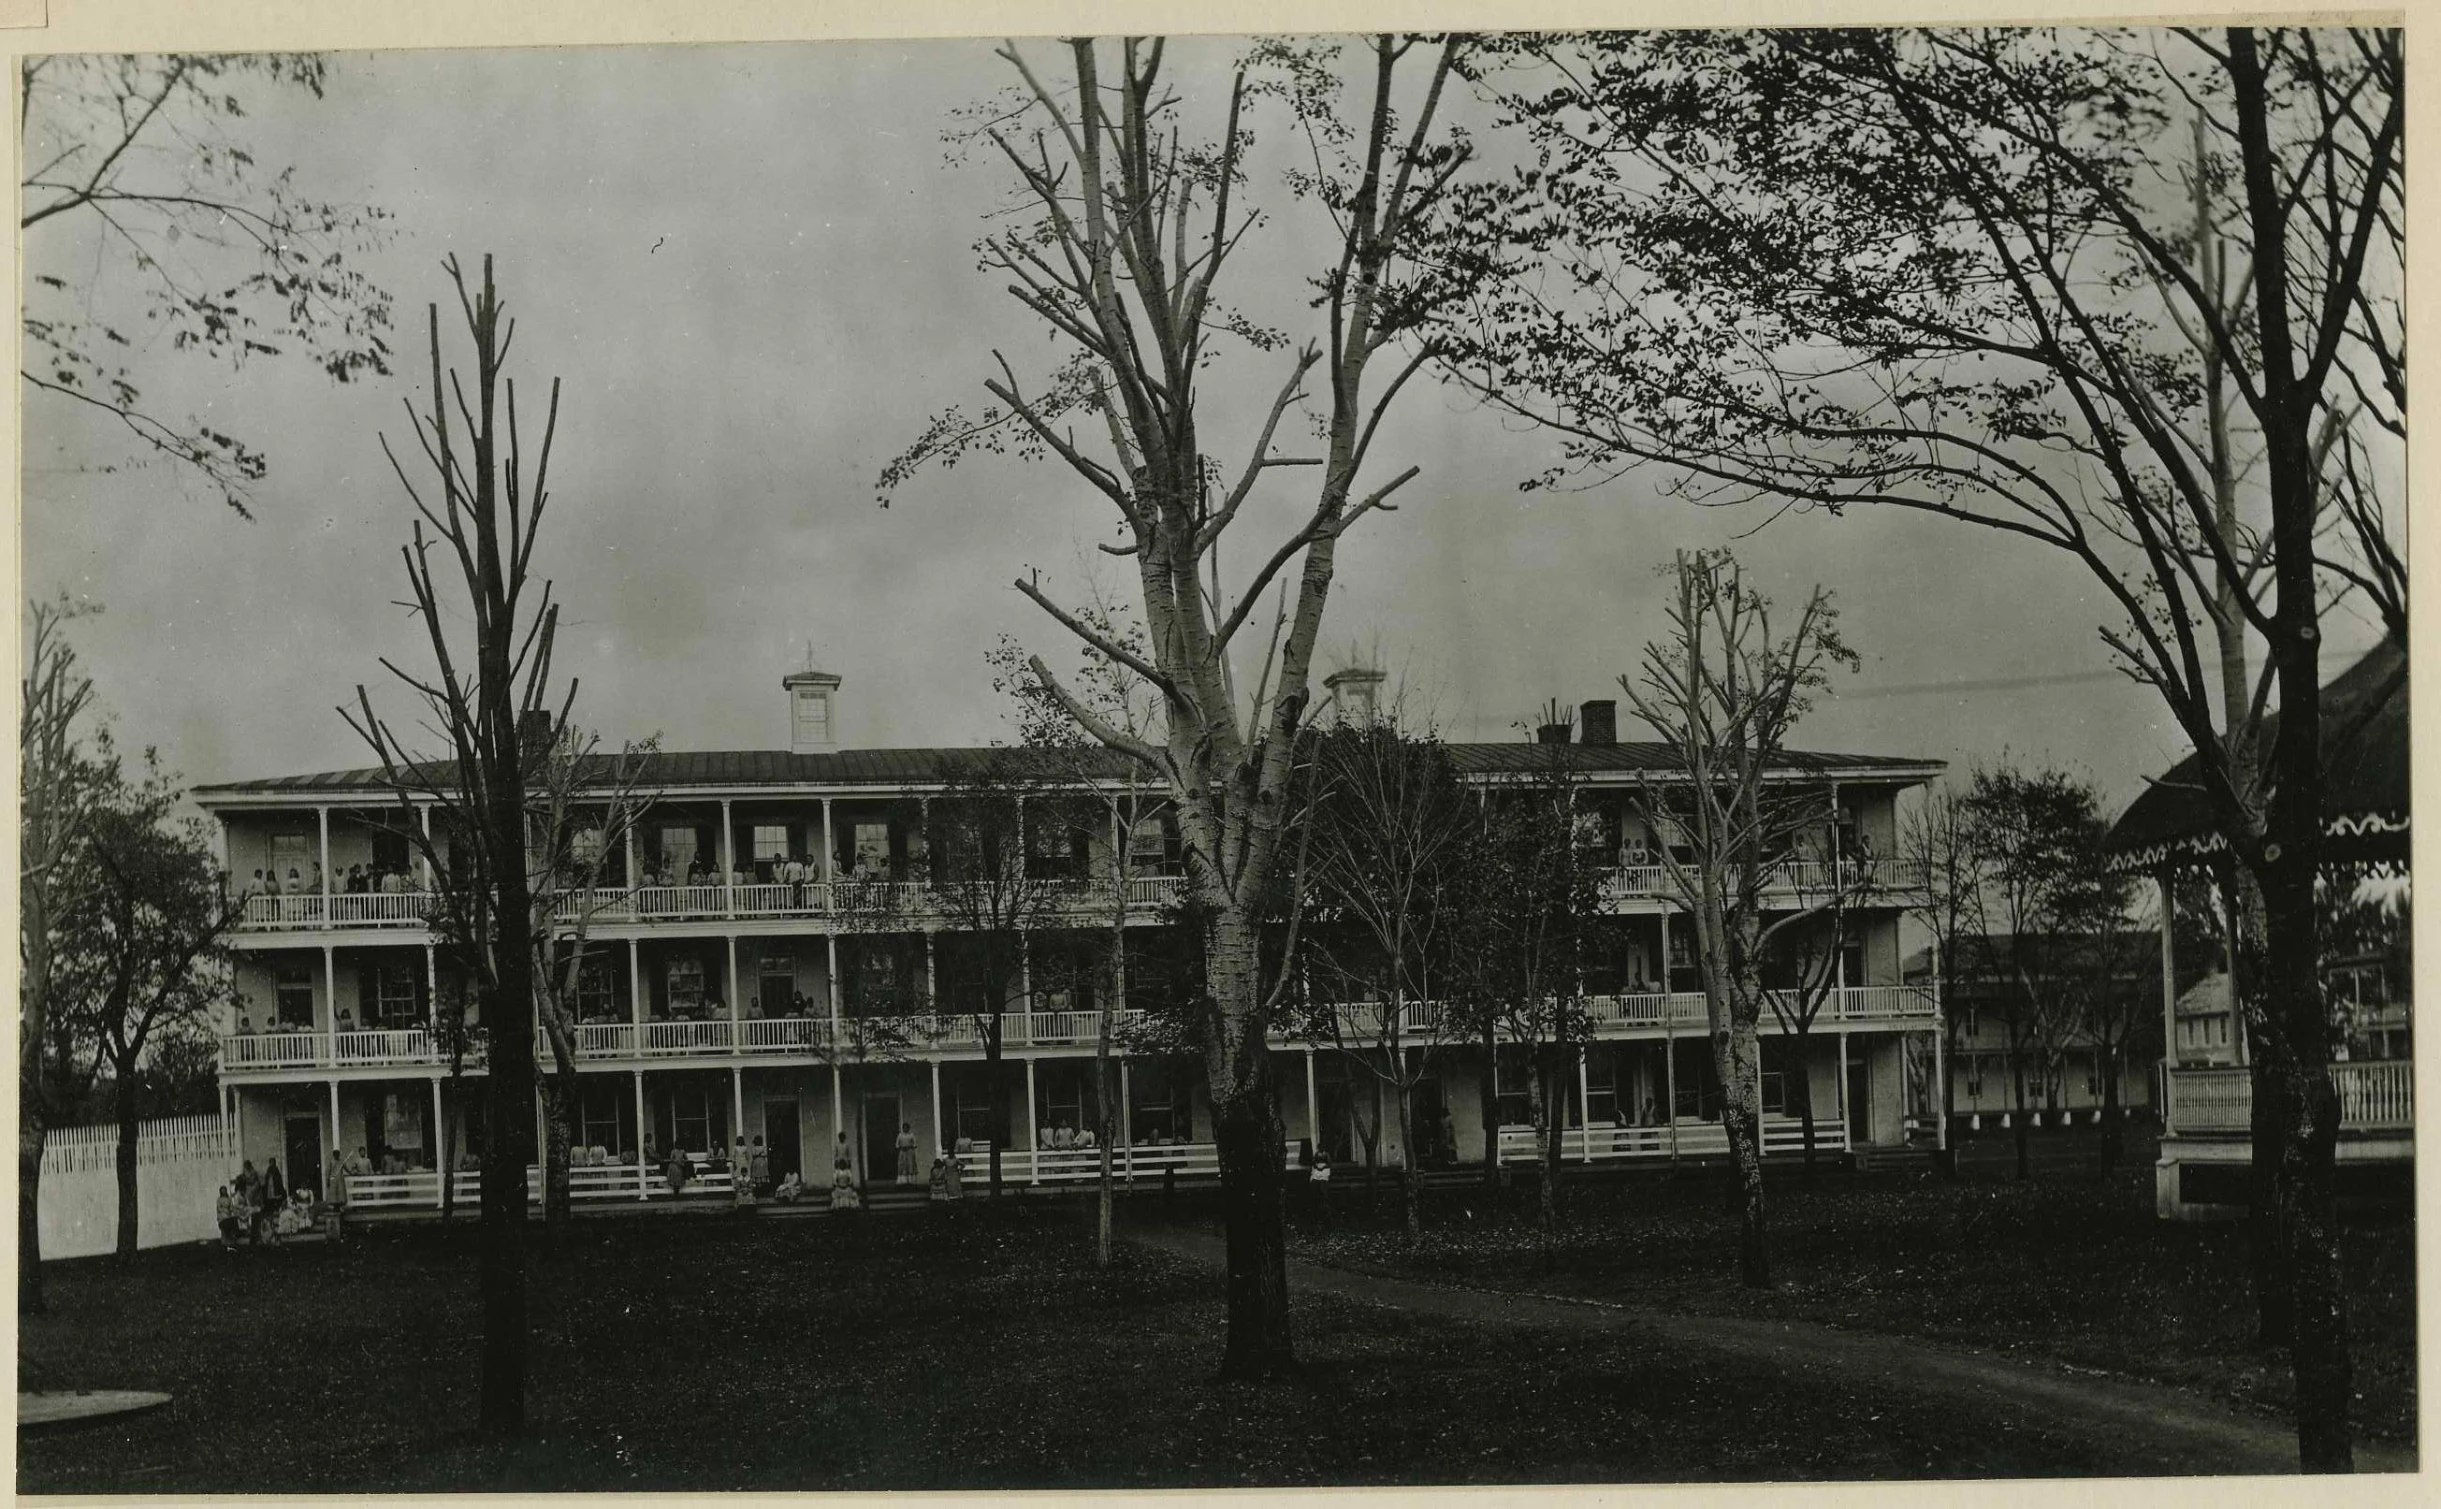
(508, 1114)
(558, 1097)
(1805, 1105)
(1373, 1153)
(995, 1074)
(1105, 1132)
(1247, 1126)
(2017, 1092)
(1411, 1180)
(449, 1146)
(31, 1138)
(1738, 1052)
(2308, 1213)
(2243, 921)
(1487, 1084)
(125, 1097)
(2114, 1117)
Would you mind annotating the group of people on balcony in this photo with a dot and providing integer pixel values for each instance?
(375, 879)
(359, 880)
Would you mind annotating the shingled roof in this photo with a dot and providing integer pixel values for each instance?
(2365, 796)
(678, 770)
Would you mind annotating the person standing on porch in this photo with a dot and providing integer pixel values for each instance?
(760, 1163)
(906, 1153)
(741, 1175)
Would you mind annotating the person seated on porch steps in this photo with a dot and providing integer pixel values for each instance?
(1084, 1138)
(790, 1191)
(843, 1189)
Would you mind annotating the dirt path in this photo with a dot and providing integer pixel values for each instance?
(2145, 1428)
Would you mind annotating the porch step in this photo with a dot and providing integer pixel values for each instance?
(1885, 1159)
(896, 1196)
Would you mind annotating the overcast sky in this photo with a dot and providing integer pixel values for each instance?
(753, 268)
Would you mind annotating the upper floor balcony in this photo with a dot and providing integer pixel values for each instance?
(865, 1039)
(1790, 882)
(851, 902)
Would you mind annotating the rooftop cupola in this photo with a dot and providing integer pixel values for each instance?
(813, 709)
(1356, 694)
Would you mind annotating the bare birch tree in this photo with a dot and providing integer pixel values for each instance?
(1128, 224)
(60, 788)
(489, 700)
(583, 804)
(1721, 693)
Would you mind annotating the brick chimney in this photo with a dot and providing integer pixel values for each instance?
(1551, 733)
(1600, 721)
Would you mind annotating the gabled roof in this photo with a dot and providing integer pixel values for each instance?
(2365, 795)
(678, 770)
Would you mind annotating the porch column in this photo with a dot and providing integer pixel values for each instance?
(829, 860)
(1665, 964)
(1034, 1172)
(728, 865)
(1669, 1067)
(627, 845)
(322, 816)
(322, 1183)
(439, 1138)
(940, 1144)
(830, 942)
(642, 1172)
(737, 1124)
(1025, 974)
(330, 998)
(737, 1000)
(1841, 1099)
(1313, 1103)
(424, 859)
(838, 1120)
(2169, 987)
(1940, 1048)
(635, 999)
(228, 1124)
(1127, 1120)
(1584, 1110)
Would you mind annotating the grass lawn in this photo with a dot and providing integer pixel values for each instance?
(2066, 1266)
(964, 1348)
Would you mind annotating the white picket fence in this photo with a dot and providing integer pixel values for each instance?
(181, 1162)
